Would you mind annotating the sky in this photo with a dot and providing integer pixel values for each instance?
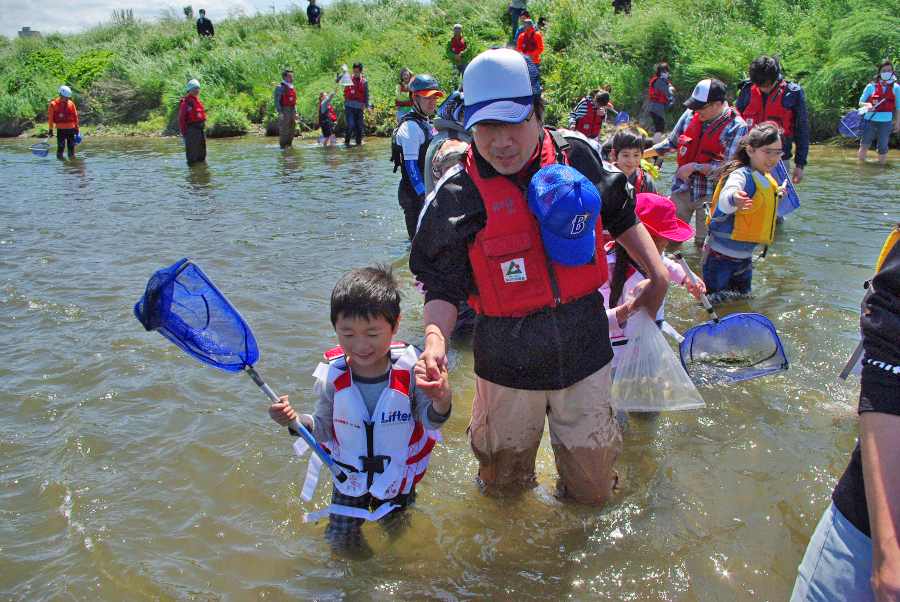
(72, 16)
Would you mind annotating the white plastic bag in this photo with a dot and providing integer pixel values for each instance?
(649, 377)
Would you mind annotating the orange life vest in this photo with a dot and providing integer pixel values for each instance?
(64, 112)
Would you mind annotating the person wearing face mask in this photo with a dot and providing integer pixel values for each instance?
(881, 99)
(660, 94)
(767, 96)
(410, 144)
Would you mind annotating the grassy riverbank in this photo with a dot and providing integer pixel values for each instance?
(128, 75)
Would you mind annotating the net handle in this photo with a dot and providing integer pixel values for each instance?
(336, 470)
(690, 275)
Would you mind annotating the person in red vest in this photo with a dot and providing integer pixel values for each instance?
(589, 114)
(192, 122)
(531, 43)
(530, 266)
(64, 115)
(286, 105)
(356, 98)
(706, 134)
(457, 47)
(881, 101)
(766, 96)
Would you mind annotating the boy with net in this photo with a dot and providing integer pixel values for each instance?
(374, 414)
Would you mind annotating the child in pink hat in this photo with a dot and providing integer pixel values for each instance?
(657, 213)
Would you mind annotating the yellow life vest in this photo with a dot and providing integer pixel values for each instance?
(756, 224)
(892, 239)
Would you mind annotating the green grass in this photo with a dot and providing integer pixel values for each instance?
(129, 75)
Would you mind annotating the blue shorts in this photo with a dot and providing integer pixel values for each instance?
(883, 129)
(837, 564)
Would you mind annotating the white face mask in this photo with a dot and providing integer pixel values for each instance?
(886, 75)
(664, 75)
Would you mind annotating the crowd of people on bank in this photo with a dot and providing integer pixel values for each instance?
(506, 223)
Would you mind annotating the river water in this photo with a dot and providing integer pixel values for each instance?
(130, 471)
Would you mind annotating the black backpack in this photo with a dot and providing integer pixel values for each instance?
(396, 149)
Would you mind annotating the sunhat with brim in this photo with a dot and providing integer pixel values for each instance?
(500, 85)
(566, 205)
(657, 213)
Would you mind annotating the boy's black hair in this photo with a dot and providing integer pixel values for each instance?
(367, 293)
(630, 137)
(358, 64)
(764, 69)
(601, 98)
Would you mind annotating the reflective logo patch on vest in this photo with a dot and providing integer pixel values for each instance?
(514, 271)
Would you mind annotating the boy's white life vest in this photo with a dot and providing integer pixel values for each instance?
(384, 454)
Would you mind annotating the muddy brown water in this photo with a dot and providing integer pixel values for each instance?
(131, 471)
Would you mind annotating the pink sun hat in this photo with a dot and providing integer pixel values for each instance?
(657, 213)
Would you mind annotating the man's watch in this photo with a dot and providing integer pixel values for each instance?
(698, 167)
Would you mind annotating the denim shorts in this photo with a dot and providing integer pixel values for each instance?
(837, 564)
(883, 129)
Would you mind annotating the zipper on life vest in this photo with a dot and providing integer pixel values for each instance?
(553, 286)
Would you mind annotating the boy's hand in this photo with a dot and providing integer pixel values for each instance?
(282, 413)
(438, 391)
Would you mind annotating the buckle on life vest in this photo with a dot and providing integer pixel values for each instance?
(374, 464)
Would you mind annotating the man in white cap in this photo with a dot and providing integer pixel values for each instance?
(192, 122)
(707, 133)
(62, 113)
(531, 270)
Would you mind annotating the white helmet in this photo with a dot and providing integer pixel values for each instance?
(65, 91)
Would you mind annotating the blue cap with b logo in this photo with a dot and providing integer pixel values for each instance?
(567, 206)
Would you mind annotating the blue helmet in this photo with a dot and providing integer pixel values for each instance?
(423, 82)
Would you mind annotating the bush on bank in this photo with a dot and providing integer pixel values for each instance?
(128, 75)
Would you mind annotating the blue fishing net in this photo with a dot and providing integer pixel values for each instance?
(852, 124)
(737, 347)
(183, 305)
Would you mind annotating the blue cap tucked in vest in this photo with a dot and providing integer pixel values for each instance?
(567, 206)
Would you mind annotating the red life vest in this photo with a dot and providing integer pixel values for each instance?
(288, 97)
(528, 43)
(883, 93)
(401, 103)
(772, 110)
(195, 111)
(457, 46)
(656, 95)
(355, 91)
(591, 123)
(511, 269)
(708, 147)
(330, 112)
(64, 112)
